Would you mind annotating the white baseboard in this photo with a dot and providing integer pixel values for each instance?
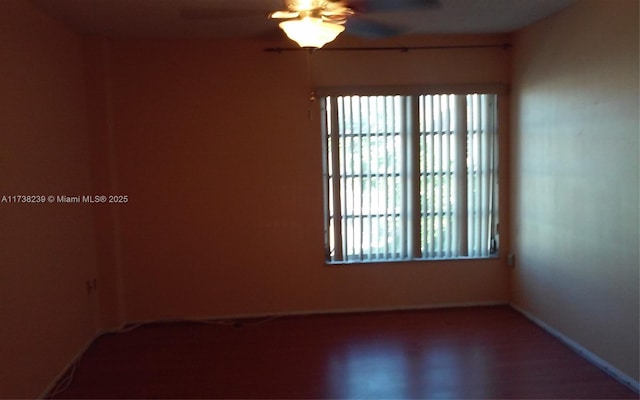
(588, 355)
(312, 312)
(54, 383)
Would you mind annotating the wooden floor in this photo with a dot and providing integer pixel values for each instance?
(480, 353)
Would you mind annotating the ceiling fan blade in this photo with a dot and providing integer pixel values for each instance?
(284, 14)
(373, 6)
(338, 11)
(204, 13)
(335, 19)
(369, 29)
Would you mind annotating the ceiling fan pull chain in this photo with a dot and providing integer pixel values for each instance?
(312, 94)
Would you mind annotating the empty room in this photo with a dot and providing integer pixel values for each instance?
(319, 199)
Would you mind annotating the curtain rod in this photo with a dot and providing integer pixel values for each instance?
(402, 49)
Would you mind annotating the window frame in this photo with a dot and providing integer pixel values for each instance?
(408, 92)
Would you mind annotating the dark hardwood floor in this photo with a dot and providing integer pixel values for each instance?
(481, 352)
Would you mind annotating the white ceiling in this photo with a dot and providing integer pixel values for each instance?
(247, 18)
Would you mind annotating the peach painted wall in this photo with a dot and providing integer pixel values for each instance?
(576, 177)
(215, 149)
(47, 251)
(104, 180)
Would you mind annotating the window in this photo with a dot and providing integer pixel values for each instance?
(410, 176)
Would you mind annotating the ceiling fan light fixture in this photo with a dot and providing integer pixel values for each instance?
(310, 31)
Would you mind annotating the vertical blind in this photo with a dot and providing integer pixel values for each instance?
(410, 177)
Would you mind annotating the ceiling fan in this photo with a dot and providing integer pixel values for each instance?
(313, 23)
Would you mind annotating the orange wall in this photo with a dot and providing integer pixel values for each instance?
(104, 180)
(214, 147)
(576, 176)
(46, 250)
